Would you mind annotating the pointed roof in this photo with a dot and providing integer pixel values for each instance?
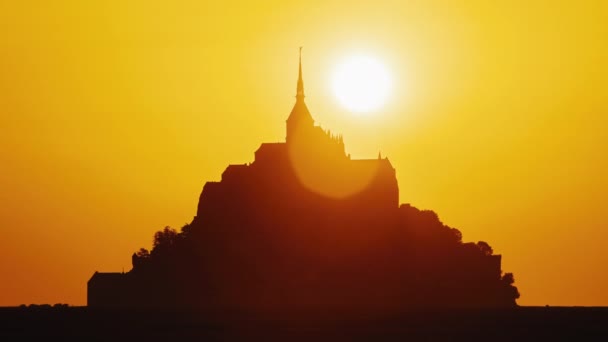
(300, 87)
(300, 112)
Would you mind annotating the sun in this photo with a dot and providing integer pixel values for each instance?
(361, 83)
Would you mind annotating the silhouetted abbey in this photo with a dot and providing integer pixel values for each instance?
(305, 227)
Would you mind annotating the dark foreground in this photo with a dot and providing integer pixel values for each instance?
(525, 323)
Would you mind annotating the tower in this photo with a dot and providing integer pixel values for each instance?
(299, 119)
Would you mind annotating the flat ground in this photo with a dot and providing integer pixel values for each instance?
(524, 323)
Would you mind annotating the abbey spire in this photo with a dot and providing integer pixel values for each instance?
(300, 88)
(300, 115)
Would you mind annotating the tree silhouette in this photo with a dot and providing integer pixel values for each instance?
(142, 253)
(164, 240)
(485, 248)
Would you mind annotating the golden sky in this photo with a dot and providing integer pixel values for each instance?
(113, 114)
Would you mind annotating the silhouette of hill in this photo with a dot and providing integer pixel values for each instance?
(306, 228)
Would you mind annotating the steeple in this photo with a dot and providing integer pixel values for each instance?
(300, 88)
(300, 117)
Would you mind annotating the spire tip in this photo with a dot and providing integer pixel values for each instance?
(300, 88)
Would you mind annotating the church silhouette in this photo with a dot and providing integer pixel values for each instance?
(306, 228)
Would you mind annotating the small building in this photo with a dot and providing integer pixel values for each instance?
(106, 290)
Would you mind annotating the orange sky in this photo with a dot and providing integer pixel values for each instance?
(114, 114)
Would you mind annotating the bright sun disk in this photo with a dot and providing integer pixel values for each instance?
(361, 84)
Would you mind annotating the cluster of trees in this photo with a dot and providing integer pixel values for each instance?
(417, 259)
